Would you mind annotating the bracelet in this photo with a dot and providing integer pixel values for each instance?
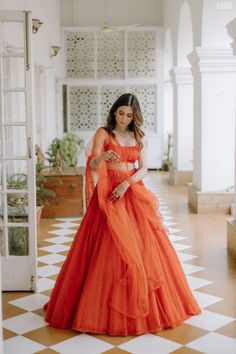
(95, 161)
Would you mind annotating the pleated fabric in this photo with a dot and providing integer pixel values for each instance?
(122, 275)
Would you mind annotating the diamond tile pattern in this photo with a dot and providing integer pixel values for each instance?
(28, 333)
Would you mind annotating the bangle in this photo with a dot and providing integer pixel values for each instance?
(95, 161)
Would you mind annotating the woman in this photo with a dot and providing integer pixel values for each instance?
(121, 275)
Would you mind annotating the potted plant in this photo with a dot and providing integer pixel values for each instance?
(167, 162)
(44, 195)
(63, 153)
(62, 158)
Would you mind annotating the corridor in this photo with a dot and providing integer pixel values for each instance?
(200, 242)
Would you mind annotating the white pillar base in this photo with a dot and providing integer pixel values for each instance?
(231, 236)
(209, 202)
(179, 178)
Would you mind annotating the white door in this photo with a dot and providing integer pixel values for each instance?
(17, 172)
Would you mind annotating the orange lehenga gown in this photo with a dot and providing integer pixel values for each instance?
(122, 275)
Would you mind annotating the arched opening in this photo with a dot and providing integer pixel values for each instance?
(185, 36)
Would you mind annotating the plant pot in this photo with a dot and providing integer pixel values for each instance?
(165, 166)
(39, 213)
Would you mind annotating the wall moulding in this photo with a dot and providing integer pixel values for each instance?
(213, 59)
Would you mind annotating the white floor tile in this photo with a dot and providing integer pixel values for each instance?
(65, 225)
(169, 217)
(170, 223)
(205, 300)
(55, 248)
(196, 283)
(45, 284)
(31, 302)
(190, 268)
(82, 344)
(180, 246)
(209, 320)
(149, 344)
(51, 258)
(48, 270)
(165, 213)
(24, 323)
(163, 208)
(62, 232)
(59, 239)
(21, 345)
(214, 343)
(184, 257)
(175, 238)
(174, 230)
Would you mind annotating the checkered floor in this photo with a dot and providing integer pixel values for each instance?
(25, 331)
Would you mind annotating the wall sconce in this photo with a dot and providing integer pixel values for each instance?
(36, 23)
(54, 50)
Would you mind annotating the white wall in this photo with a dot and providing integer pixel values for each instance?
(48, 34)
(215, 19)
(122, 12)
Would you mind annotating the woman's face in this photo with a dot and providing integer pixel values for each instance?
(124, 116)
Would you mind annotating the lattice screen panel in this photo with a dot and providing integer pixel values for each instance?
(80, 58)
(83, 108)
(110, 55)
(146, 95)
(107, 98)
(141, 54)
(94, 59)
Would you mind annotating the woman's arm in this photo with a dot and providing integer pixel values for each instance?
(120, 190)
(97, 150)
(142, 170)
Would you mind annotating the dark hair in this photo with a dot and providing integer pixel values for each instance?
(130, 100)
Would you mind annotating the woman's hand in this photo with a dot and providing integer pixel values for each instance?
(110, 156)
(119, 191)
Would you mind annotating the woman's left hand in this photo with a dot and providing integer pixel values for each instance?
(119, 191)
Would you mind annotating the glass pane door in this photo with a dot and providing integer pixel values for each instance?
(17, 175)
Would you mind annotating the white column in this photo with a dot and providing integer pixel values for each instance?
(214, 71)
(231, 28)
(231, 222)
(168, 109)
(183, 125)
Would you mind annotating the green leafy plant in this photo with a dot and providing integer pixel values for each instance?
(64, 151)
(44, 195)
(17, 181)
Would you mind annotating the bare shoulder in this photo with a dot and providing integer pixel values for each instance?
(101, 134)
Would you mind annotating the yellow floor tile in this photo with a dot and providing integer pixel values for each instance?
(11, 311)
(8, 334)
(228, 330)
(116, 351)
(182, 334)
(49, 336)
(53, 277)
(43, 253)
(114, 340)
(185, 350)
(47, 351)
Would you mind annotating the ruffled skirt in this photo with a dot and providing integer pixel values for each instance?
(122, 275)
